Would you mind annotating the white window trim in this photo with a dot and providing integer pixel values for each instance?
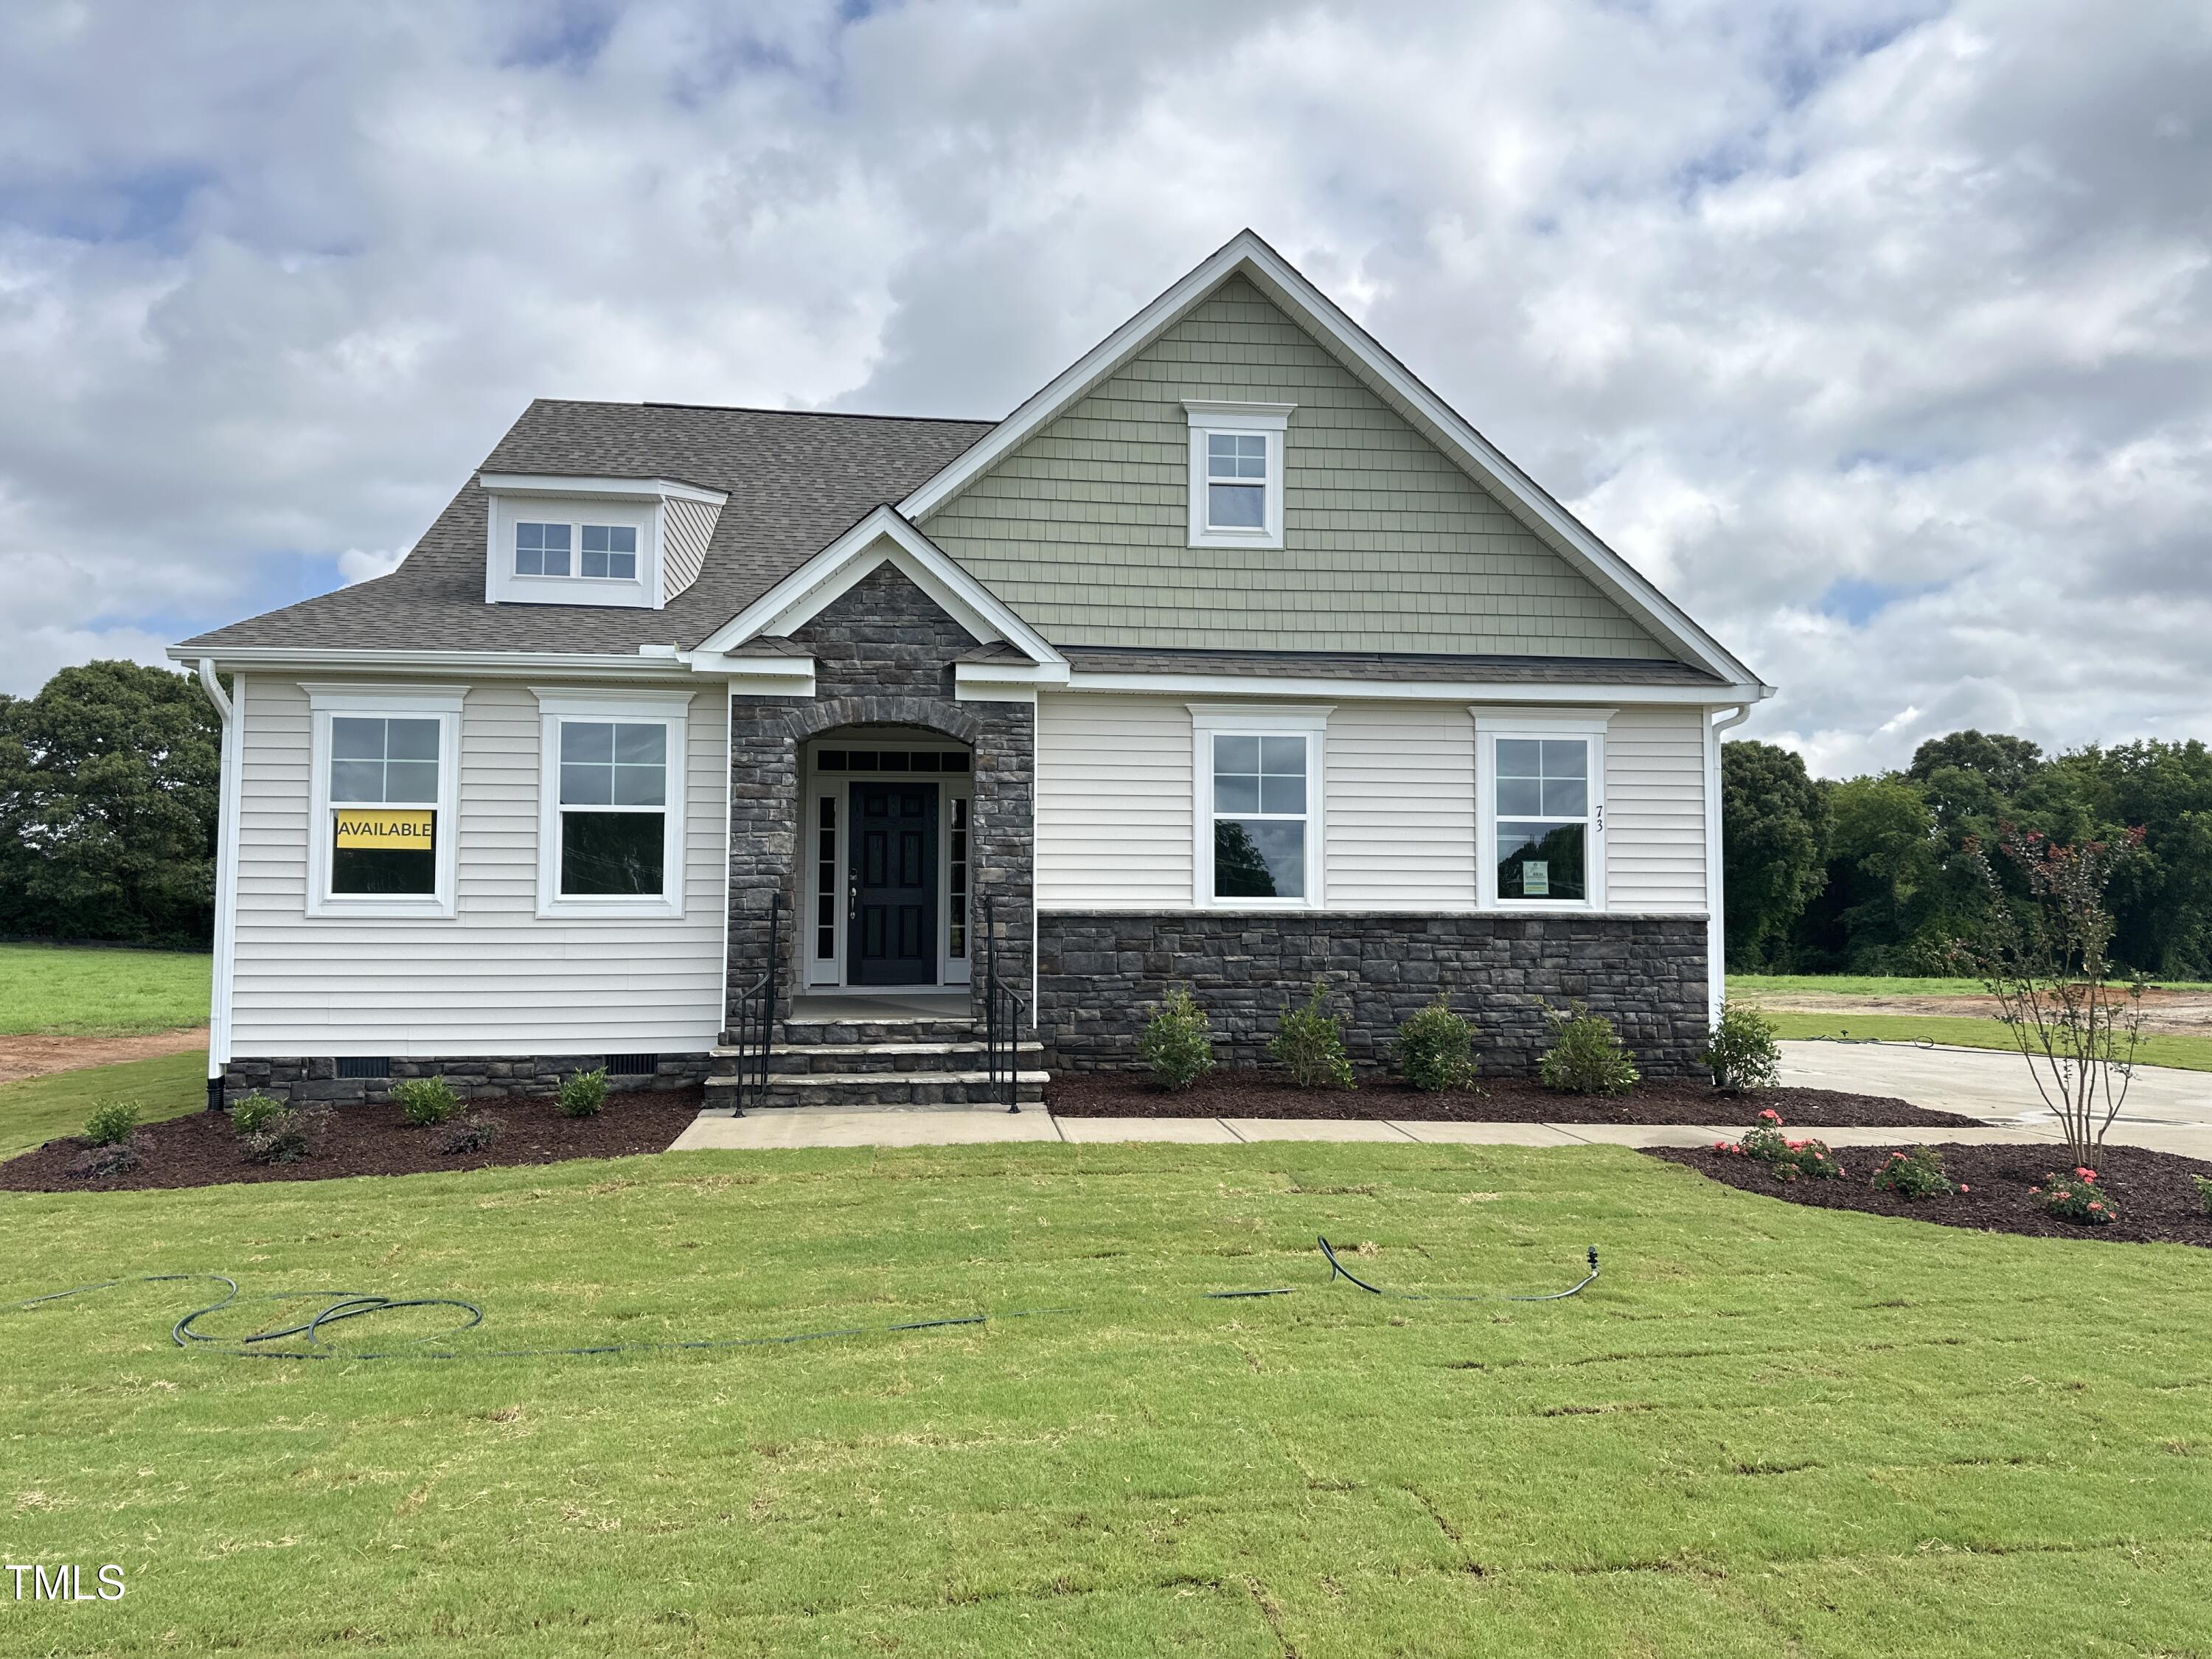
(1490, 725)
(442, 703)
(1206, 418)
(669, 708)
(503, 584)
(643, 535)
(1210, 720)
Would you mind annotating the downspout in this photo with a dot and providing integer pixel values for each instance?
(226, 879)
(1715, 899)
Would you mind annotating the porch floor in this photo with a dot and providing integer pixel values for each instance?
(833, 1007)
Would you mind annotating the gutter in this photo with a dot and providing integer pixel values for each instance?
(1715, 894)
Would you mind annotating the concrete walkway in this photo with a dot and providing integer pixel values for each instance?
(2167, 1111)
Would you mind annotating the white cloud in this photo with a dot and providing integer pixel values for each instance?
(1879, 335)
(358, 564)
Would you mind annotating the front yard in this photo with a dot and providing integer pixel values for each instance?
(1764, 1428)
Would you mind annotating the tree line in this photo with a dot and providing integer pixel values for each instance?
(1873, 875)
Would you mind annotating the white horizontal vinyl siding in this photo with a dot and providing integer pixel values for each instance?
(1398, 807)
(494, 979)
(1113, 803)
(1654, 810)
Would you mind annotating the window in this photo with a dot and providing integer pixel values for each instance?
(611, 552)
(825, 880)
(955, 881)
(1259, 804)
(382, 798)
(541, 549)
(611, 821)
(1236, 473)
(1543, 810)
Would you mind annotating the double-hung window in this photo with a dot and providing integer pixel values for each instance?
(1258, 806)
(381, 835)
(1236, 473)
(1544, 812)
(610, 834)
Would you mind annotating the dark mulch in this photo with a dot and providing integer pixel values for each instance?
(2157, 1200)
(201, 1149)
(1228, 1093)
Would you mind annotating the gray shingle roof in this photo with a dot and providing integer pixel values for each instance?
(1390, 666)
(795, 480)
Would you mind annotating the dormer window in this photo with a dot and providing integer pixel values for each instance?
(604, 541)
(1236, 473)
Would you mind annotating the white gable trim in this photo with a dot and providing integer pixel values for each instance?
(884, 536)
(1248, 254)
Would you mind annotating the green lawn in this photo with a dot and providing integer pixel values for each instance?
(1880, 985)
(36, 1110)
(2189, 1053)
(63, 990)
(1766, 1429)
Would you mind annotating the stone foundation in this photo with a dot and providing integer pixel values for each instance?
(1100, 974)
(315, 1081)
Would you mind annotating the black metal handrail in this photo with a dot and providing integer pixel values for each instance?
(756, 1019)
(1003, 1008)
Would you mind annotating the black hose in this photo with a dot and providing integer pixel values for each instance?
(1338, 1270)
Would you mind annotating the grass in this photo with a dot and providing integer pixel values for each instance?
(64, 990)
(1766, 1429)
(1881, 985)
(36, 1110)
(2190, 1053)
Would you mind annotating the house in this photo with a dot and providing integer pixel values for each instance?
(1234, 658)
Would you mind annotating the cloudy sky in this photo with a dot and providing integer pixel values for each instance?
(1880, 335)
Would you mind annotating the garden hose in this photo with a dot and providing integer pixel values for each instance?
(338, 1306)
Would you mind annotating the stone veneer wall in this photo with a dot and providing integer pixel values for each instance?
(315, 1080)
(1101, 973)
(882, 655)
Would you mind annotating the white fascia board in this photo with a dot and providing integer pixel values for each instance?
(1358, 351)
(545, 484)
(883, 536)
(486, 665)
(1248, 685)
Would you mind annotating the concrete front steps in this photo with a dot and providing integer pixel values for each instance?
(856, 1065)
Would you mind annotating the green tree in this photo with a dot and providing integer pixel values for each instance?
(1774, 835)
(108, 790)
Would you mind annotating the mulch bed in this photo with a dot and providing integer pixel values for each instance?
(2157, 1200)
(201, 1149)
(1233, 1093)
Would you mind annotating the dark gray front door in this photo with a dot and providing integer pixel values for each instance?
(892, 858)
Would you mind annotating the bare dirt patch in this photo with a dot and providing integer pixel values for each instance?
(2167, 1013)
(2157, 1199)
(35, 1056)
(1237, 1093)
(202, 1150)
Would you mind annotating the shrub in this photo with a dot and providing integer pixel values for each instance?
(1177, 1043)
(1913, 1175)
(1587, 1056)
(584, 1093)
(105, 1159)
(1742, 1053)
(2204, 1191)
(287, 1134)
(112, 1124)
(426, 1100)
(1435, 1049)
(473, 1133)
(1789, 1159)
(1308, 1043)
(2076, 1197)
(248, 1116)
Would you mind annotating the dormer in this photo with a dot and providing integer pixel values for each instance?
(631, 542)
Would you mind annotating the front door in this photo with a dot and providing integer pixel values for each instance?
(892, 859)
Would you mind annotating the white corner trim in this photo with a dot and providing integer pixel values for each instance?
(1310, 721)
(230, 795)
(882, 537)
(546, 484)
(1216, 415)
(441, 703)
(1716, 842)
(669, 708)
(1246, 253)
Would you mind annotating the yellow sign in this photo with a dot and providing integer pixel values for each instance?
(403, 831)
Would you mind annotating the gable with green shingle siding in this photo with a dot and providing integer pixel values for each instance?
(1387, 545)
